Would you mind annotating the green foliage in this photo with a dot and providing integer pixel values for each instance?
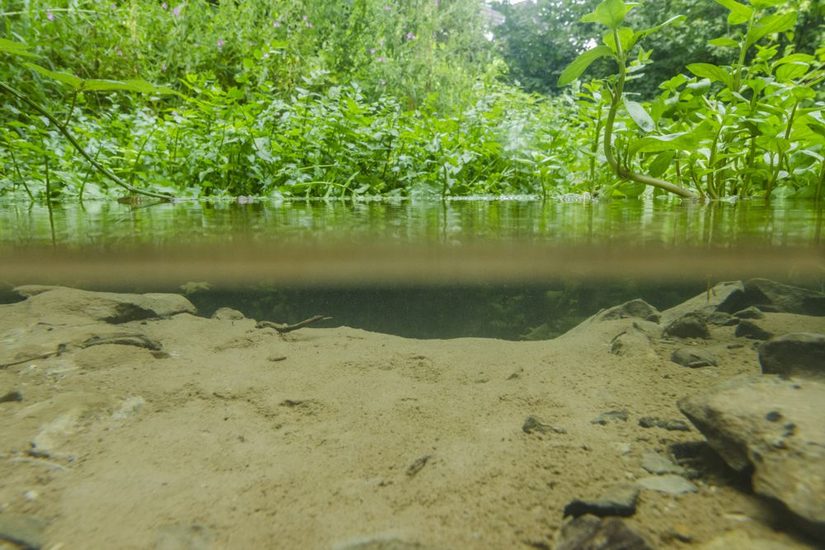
(405, 98)
(740, 129)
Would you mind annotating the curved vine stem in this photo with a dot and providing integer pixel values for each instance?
(63, 130)
(621, 170)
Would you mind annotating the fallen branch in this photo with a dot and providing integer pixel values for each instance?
(283, 328)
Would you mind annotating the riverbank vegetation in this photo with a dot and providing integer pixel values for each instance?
(435, 98)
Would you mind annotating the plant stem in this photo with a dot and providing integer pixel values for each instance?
(620, 170)
(99, 167)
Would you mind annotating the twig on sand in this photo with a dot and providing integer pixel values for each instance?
(283, 328)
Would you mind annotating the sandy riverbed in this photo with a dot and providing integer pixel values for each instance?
(232, 436)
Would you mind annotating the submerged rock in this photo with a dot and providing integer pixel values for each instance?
(658, 464)
(23, 530)
(722, 319)
(56, 303)
(634, 308)
(750, 312)
(533, 424)
(592, 533)
(774, 427)
(694, 357)
(631, 342)
(725, 297)
(673, 425)
(616, 501)
(772, 296)
(670, 483)
(228, 314)
(690, 325)
(749, 329)
(380, 543)
(610, 416)
(799, 354)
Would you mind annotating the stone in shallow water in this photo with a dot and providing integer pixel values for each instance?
(616, 501)
(670, 484)
(799, 354)
(658, 464)
(690, 325)
(694, 357)
(749, 329)
(673, 425)
(634, 308)
(23, 530)
(58, 303)
(228, 314)
(534, 424)
(773, 426)
(610, 416)
(591, 533)
(380, 543)
(751, 312)
(772, 296)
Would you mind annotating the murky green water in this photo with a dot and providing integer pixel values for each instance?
(107, 226)
(482, 268)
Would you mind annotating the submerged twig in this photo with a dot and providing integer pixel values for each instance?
(284, 328)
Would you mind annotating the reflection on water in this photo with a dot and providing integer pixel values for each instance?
(457, 241)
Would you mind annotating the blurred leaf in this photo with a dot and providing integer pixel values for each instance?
(582, 62)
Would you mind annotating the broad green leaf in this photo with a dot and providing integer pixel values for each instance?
(791, 71)
(724, 42)
(581, 63)
(609, 13)
(770, 24)
(14, 48)
(680, 141)
(676, 20)
(65, 78)
(713, 72)
(639, 115)
(739, 13)
(795, 58)
(627, 39)
(674, 82)
(139, 86)
(661, 163)
(767, 3)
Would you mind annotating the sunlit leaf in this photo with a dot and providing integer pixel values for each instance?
(14, 48)
(724, 42)
(582, 62)
(639, 115)
(770, 24)
(627, 39)
(739, 13)
(66, 78)
(661, 163)
(768, 3)
(712, 72)
(791, 71)
(610, 13)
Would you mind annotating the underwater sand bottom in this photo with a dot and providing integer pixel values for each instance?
(241, 437)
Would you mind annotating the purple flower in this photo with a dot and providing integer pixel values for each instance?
(165, 6)
(372, 51)
(276, 23)
(409, 36)
(49, 16)
(220, 43)
(176, 10)
(381, 59)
